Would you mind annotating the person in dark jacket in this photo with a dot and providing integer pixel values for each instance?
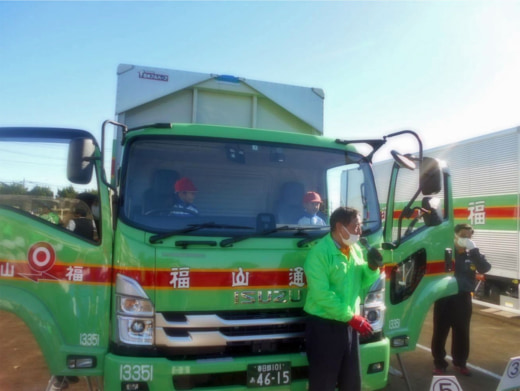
(81, 224)
(454, 312)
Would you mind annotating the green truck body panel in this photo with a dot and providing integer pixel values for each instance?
(54, 287)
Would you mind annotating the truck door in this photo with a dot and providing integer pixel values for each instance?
(417, 242)
(55, 245)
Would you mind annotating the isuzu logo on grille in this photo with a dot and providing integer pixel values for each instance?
(268, 296)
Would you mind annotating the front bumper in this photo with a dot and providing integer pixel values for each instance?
(228, 373)
(375, 363)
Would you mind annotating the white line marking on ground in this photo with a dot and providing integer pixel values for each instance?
(474, 367)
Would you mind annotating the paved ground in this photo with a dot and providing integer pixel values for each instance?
(495, 339)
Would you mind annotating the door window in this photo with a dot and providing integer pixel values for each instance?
(33, 181)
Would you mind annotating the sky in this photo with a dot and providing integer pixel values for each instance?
(448, 70)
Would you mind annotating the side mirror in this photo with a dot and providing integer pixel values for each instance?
(80, 164)
(430, 176)
(402, 160)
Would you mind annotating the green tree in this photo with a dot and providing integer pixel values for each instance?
(67, 192)
(14, 188)
(41, 191)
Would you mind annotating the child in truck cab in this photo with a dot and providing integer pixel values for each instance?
(311, 204)
(185, 191)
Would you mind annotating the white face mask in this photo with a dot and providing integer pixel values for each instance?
(95, 211)
(462, 242)
(351, 240)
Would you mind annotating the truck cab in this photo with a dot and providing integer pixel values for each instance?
(228, 279)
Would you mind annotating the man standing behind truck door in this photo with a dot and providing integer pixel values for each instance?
(336, 273)
(455, 311)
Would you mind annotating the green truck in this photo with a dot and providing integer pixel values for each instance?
(122, 289)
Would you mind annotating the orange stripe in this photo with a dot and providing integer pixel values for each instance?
(58, 272)
(163, 278)
(432, 268)
(497, 212)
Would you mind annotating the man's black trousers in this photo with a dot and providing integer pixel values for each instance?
(333, 354)
(452, 312)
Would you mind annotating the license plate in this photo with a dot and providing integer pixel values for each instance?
(269, 374)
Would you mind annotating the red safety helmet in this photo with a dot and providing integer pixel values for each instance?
(184, 184)
(311, 196)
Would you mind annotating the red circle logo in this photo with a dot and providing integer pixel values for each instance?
(41, 257)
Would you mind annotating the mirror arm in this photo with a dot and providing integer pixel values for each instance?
(413, 134)
(375, 144)
(405, 209)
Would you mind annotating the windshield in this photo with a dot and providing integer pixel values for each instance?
(241, 188)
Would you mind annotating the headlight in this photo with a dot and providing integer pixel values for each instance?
(374, 305)
(377, 297)
(135, 306)
(134, 312)
(135, 331)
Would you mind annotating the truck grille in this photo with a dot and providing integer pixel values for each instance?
(230, 333)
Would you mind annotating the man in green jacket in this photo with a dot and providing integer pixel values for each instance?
(336, 272)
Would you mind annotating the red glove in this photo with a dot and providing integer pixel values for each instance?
(361, 325)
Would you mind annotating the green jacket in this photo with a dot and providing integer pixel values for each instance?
(334, 281)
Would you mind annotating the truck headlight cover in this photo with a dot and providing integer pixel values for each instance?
(135, 306)
(374, 305)
(135, 313)
(135, 331)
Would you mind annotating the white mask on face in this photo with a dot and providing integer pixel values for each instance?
(351, 240)
(462, 242)
(95, 211)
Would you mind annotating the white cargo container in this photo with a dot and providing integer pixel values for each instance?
(147, 95)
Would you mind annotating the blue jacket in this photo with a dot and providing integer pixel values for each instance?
(467, 264)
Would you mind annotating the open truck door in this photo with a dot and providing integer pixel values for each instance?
(417, 245)
(56, 247)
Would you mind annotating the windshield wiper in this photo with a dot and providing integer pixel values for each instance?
(309, 239)
(229, 242)
(300, 231)
(195, 227)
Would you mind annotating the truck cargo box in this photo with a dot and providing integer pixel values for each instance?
(147, 95)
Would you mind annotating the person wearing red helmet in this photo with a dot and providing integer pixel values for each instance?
(186, 191)
(311, 205)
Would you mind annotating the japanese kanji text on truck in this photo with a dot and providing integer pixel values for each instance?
(118, 287)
